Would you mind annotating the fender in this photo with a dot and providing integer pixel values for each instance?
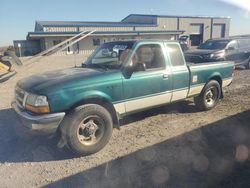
(217, 76)
(97, 97)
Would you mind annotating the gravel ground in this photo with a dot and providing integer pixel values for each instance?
(171, 146)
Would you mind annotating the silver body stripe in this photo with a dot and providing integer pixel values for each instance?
(162, 98)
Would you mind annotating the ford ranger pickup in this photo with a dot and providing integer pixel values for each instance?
(83, 104)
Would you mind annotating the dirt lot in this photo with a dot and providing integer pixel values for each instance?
(171, 146)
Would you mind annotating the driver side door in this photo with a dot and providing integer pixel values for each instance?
(152, 86)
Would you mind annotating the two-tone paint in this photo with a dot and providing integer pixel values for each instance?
(69, 88)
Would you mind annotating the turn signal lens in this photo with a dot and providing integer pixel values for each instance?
(37, 109)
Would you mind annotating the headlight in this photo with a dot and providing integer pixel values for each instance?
(37, 103)
(217, 55)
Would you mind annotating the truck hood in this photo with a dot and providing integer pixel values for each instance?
(200, 52)
(49, 80)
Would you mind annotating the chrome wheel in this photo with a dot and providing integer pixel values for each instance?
(211, 96)
(91, 130)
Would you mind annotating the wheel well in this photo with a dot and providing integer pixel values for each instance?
(102, 102)
(219, 80)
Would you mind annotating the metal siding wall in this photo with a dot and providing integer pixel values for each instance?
(167, 23)
(146, 28)
(185, 24)
(163, 37)
(218, 30)
(225, 21)
(196, 28)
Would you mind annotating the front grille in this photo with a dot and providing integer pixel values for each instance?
(19, 95)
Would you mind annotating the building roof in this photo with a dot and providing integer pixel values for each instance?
(174, 16)
(115, 24)
(89, 24)
(103, 33)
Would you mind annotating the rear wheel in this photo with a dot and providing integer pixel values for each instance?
(88, 130)
(209, 96)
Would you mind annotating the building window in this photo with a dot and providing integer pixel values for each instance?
(96, 42)
(55, 42)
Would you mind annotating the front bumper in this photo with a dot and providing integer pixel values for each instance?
(46, 123)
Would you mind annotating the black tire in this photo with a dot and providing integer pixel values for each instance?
(209, 96)
(83, 124)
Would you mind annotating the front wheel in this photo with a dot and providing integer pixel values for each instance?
(88, 129)
(209, 96)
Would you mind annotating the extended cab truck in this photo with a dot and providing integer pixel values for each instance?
(85, 103)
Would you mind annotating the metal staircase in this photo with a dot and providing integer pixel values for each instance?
(60, 47)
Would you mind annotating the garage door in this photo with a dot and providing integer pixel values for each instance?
(219, 30)
(196, 29)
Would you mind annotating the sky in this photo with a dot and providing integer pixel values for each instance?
(17, 17)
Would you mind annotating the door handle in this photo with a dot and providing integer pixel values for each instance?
(165, 76)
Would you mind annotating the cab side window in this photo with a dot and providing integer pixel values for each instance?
(150, 55)
(176, 55)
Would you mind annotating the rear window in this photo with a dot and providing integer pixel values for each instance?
(175, 54)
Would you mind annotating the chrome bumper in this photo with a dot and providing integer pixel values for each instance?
(47, 123)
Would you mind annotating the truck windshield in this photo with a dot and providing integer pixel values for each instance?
(110, 55)
(214, 45)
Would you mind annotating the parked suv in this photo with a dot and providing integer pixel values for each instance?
(230, 49)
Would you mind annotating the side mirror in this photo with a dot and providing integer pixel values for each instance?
(128, 71)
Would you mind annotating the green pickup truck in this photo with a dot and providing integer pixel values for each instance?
(84, 104)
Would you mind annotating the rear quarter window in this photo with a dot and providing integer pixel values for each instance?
(175, 55)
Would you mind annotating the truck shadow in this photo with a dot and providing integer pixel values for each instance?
(17, 145)
(216, 155)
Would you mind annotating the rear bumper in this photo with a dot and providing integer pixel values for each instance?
(45, 124)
